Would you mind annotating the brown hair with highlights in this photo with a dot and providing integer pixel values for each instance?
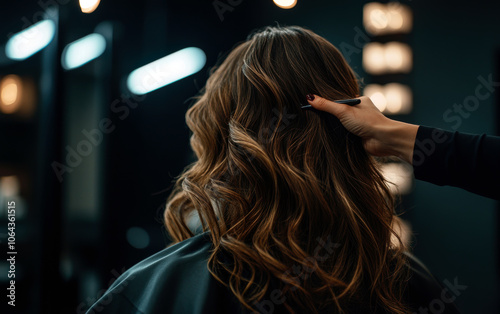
(271, 181)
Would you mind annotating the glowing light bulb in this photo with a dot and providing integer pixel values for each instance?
(82, 51)
(10, 94)
(399, 177)
(285, 4)
(392, 57)
(31, 40)
(376, 94)
(395, 19)
(166, 70)
(398, 57)
(89, 6)
(373, 58)
(399, 98)
(381, 19)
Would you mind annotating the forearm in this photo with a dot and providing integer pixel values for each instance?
(463, 160)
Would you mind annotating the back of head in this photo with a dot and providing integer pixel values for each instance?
(285, 191)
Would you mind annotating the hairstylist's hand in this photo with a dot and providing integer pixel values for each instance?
(381, 135)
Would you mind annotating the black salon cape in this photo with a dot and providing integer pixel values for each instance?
(176, 280)
(467, 161)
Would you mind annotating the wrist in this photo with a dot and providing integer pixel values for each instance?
(399, 138)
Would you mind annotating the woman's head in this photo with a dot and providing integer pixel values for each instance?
(272, 182)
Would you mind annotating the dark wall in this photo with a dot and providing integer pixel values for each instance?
(454, 44)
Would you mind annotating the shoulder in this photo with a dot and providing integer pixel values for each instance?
(171, 260)
(174, 280)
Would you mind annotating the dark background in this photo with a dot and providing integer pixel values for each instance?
(72, 239)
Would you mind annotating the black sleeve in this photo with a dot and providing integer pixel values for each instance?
(467, 161)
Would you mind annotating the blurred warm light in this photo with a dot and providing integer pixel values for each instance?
(400, 18)
(382, 19)
(379, 17)
(374, 58)
(82, 51)
(285, 4)
(31, 40)
(393, 98)
(375, 15)
(395, 19)
(9, 186)
(379, 100)
(393, 57)
(89, 6)
(17, 96)
(376, 94)
(166, 70)
(399, 177)
(10, 93)
(398, 57)
(403, 230)
(399, 98)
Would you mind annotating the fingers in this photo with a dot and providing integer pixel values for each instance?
(323, 104)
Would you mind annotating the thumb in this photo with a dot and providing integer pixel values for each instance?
(323, 104)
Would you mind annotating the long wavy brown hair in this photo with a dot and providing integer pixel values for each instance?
(273, 183)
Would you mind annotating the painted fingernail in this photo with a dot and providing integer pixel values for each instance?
(310, 97)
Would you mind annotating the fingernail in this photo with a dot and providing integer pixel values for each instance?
(310, 97)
